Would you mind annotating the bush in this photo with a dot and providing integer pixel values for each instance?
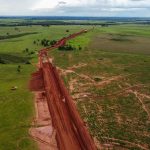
(80, 48)
(27, 62)
(27, 50)
(34, 42)
(67, 48)
(31, 53)
(19, 68)
(46, 42)
(2, 61)
(53, 42)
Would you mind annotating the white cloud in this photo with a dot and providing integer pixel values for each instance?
(45, 4)
(76, 7)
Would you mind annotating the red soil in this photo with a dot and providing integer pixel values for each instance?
(70, 130)
(43, 132)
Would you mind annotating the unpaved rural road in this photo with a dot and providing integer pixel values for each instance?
(63, 127)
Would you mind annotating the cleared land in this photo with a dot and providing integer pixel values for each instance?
(109, 82)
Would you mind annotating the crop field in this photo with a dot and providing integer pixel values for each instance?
(108, 78)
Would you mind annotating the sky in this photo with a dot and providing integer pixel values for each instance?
(110, 8)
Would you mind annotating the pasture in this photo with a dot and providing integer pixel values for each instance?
(108, 79)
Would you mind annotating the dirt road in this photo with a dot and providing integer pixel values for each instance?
(71, 132)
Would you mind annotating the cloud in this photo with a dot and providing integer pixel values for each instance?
(62, 3)
(44, 4)
(76, 7)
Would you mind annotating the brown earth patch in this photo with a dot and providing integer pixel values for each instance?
(77, 66)
(43, 132)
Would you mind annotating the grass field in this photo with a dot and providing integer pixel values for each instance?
(17, 109)
(109, 82)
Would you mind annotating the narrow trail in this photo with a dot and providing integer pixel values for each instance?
(70, 130)
(126, 142)
(140, 96)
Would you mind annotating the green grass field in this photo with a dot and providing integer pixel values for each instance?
(111, 89)
(17, 109)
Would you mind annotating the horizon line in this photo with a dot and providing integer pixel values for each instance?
(73, 16)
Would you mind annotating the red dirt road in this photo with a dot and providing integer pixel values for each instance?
(71, 133)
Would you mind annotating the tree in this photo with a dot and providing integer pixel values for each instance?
(43, 42)
(27, 50)
(53, 42)
(19, 68)
(31, 53)
(80, 48)
(34, 42)
(67, 48)
(2, 61)
(27, 62)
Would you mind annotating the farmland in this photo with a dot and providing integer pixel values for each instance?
(108, 79)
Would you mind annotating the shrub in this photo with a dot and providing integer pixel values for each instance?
(28, 62)
(34, 42)
(31, 53)
(45, 42)
(2, 61)
(80, 48)
(27, 50)
(19, 68)
(53, 42)
(67, 48)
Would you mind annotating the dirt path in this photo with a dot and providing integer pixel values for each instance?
(104, 82)
(140, 97)
(68, 128)
(83, 76)
(109, 80)
(43, 131)
(80, 65)
(129, 144)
